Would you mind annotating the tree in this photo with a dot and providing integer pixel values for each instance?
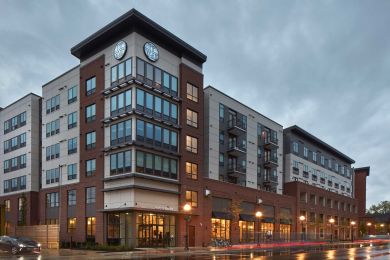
(382, 207)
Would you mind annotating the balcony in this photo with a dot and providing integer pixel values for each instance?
(236, 170)
(270, 143)
(236, 126)
(236, 150)
(270, 179)
(270, 161)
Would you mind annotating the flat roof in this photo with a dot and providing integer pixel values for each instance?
(242, 104)
(66, 72)
(33, 94)
(312, 138)
(132, 21)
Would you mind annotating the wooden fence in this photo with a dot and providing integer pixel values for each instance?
(47, 235)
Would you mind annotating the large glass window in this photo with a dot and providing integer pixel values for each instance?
(53, 104)
(72, 145)
(72, 120)
(52, 200)
(191, 144)
(192, 92)
(121, 71)
(72, 198)
(72, 94)
(121, 102)
(153, 134)
(247, 231)
(90, 195)
(90, 140)
(120, 163)
(91, 228)
(90, 86)
(72, 171)
(155, 230)
(52, 175)
(90, 114)
(220, 229)
(121, 132)
(53, 128)
(90, 166)
(155, 76)
(192, 198)
(192, 118)
(156, 165)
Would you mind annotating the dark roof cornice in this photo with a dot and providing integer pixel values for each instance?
(296, 129)
(135, 21)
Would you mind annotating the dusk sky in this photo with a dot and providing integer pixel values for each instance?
(322, 65)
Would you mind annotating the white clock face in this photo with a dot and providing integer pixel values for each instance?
(120, 50)
(151, 51)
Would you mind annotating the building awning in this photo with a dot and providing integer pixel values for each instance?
(222, 215)
(268, 220)
(246, 217)
(286, 221)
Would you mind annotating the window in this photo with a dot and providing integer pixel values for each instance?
(90, 195)
(90, 166)
(91, 228)
(295, 147)
(53, 128)
(90, 86)
(52, 152)
(221, 112)
(191, 144)
(156, 165)
(15, 122)
(314, 156)
(120, 163)
(7, 205)
(90, 113)
(330, 164)
(192, 170)
(121, 132)
(21, 210)
(91, 140)
(192, 118)
(121, 71)
(72, 145)
(336, 167)
(15, 163)
(221, 137)
(322, 160)
(52, 200)
(221, 159)
(72, 198)
(305, 168)
(72, 95)
(15, 143)
(192, 198)
(157, 136)
(72, 171)
(305, 152)
(53, 104)
(72, 120)
(192, 92)
(154, 76)
(71, 225)
(121, 103)
(52, 176)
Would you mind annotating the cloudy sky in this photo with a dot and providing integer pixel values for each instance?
(323, 65)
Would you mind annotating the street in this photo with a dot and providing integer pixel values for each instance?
(359, 251)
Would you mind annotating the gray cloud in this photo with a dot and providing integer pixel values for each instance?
(320, 64)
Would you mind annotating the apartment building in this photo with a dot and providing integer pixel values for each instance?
(60, 178)
(310, 160)
(20, 157)
(130, 136)
(243, 146)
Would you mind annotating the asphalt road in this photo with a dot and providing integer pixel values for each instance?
(365, 252)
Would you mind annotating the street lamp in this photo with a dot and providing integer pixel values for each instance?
(352, 226)
(331, 221)
(187, 218)
(258, 215)
(302, 219)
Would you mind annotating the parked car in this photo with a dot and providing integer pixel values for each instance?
(17, 245)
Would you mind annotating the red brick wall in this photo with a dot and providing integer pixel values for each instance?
(360, 189)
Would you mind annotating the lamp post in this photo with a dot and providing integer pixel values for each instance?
(331, 221)
(258, 215)
(302, 219)
(59, 203)
(369, 227)
(352, 226)
(187, 218)
(382, 229)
